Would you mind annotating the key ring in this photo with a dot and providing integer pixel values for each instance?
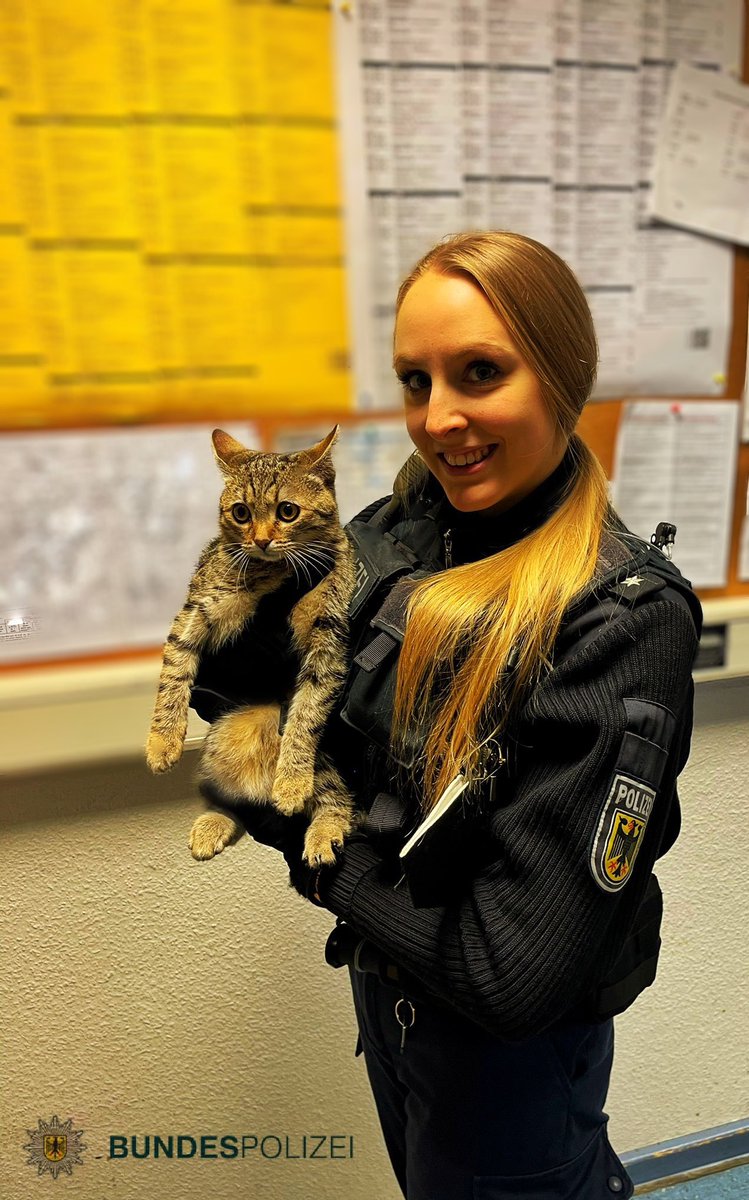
(403, 1024)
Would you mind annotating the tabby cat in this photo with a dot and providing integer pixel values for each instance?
(278, 521)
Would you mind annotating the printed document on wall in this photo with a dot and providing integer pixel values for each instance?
(676, 462)
(744, 552)
(682, 279)
(540, 119)
(745, 401)
(104, 563)
(702, 157)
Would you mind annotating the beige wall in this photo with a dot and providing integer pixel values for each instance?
(143, 992)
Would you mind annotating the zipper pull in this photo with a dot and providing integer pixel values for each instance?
(448, 539)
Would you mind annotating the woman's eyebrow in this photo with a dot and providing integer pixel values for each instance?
(473, 351)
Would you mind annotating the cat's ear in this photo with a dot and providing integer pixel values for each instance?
(227, 451)
(311, 457)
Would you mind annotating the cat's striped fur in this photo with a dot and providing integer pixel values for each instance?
(278, 516)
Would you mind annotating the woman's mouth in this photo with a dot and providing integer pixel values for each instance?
(469, 463)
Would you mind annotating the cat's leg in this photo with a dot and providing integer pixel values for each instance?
(212, 832)
(182, 649)
(208, 618)
(333, 816)
(239, 757)
(321, 677)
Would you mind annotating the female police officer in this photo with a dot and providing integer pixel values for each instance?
(517, 648)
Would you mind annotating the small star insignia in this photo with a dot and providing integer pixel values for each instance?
(632, 581)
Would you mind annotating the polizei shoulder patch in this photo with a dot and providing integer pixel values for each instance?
(620, 831)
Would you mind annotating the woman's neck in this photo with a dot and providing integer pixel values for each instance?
(476, 534)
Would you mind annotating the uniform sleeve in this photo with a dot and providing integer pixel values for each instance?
(572, 843)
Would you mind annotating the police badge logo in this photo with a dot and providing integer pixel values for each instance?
(55, 1146)
(620, 832)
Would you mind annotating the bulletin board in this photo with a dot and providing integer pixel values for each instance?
(600, 421)
(171, 234)
(175, 199)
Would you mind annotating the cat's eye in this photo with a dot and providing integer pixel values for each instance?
(288, 511)
(241, 513)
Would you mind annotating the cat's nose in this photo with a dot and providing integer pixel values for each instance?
(263, 543)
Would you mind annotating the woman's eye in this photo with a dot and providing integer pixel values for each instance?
(288, 511)
(414, 381)
(482, 372)
(241, 513)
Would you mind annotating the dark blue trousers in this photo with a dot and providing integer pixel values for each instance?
(466, 1116)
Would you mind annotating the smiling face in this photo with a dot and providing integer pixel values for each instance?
(469, 394)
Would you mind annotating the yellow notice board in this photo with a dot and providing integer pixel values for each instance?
(171, 234)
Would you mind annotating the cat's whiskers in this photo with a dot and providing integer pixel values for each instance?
(229, 569)
(236, 569)
(236, 556)
(243, 574)
(316, 543)
(319, 548)
(293, 555)
(316, 558)
(292, 564)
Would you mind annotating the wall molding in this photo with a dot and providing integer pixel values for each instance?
(689, 1157)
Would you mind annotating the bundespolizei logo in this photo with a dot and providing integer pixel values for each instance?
(55, 1146)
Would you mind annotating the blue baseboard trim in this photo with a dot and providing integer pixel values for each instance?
(689, 1157)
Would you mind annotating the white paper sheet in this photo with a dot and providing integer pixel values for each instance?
(682, 280)
(683, 299)
(744, 550)
(745, 401)
(701, 171)
(676, 462)
(99, 534)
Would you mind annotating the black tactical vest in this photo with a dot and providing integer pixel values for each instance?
(385, 569)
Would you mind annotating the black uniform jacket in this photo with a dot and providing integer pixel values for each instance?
(534, 887)
(515, 910)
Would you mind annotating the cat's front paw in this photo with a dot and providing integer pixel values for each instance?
(210, 834)
(163, 752)
(292, 792)
(322, 847)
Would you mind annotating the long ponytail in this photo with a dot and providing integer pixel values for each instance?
(479, 636)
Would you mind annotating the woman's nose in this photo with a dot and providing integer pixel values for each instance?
(444, 413)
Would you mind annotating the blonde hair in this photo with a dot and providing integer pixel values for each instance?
(479, 636)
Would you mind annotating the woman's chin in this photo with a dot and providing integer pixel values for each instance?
(475, 500)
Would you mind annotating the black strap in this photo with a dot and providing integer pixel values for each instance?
(386, 820)
(376, 651)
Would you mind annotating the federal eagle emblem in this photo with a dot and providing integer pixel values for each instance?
(622, 845)
(55, 1146)
(620, 831)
